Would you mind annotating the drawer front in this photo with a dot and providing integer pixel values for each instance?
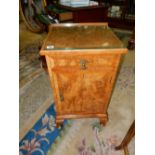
(84, 62)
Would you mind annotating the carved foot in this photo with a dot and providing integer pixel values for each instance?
(58, 123)
(103, 120)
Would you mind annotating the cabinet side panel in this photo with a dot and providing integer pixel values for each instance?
(112, 81)
(53, 81)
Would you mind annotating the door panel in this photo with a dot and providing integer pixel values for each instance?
(70, 91)
(83, 90)
(96, 84)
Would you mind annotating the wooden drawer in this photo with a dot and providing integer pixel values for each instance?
(84, 62)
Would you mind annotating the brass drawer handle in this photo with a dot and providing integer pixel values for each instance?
(83, 63)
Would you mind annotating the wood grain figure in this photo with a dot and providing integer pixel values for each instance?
(82, 60)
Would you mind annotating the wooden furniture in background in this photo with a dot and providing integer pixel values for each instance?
(130, 134)
(82, 60)
(66, 12)
(126, 20)
(61, 14)
(87, 14)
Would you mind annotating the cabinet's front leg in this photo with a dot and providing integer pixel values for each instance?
(103, 120)
(59, 122)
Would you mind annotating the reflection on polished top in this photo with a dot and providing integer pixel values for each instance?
(81, 36)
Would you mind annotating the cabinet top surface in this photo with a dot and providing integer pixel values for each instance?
(81, 36)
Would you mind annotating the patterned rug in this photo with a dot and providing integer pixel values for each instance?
(88, 137)
(38, 140)
(29, 64)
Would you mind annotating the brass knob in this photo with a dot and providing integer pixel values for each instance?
(83, 63)
(61, 97)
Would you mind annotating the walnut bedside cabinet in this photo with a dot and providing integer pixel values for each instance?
(82, 60)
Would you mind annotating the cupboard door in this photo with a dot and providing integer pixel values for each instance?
(96, 87)
(69, 91)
